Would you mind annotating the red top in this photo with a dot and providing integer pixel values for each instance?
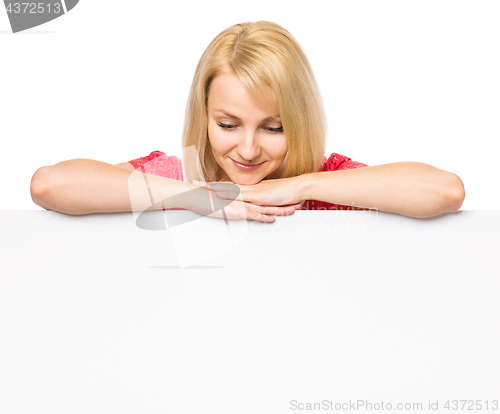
(158, 163)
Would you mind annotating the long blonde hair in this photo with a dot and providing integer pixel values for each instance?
(262, 54)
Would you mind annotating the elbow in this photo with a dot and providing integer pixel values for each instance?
(37, 181)
(454, 194)
(39, 187)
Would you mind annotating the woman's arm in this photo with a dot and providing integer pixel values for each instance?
(84, 186)
(409, 188)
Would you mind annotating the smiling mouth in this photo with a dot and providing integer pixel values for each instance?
(248, 165)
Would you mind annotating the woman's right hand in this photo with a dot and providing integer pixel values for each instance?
(206, 202)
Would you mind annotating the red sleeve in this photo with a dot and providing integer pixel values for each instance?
(335, 162)
(139, 162)
(340, 162)
(158, 163)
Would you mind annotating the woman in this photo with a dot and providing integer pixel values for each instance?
(255, 130)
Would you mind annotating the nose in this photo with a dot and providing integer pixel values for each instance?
(248, 147)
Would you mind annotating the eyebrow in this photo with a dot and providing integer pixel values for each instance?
(270, 118)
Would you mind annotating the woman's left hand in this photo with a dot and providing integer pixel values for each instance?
(279, 192)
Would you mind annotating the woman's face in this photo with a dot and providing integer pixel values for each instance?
(242, 132)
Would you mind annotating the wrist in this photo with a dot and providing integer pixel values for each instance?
(186, 195)
(170, 193)
(305, 186)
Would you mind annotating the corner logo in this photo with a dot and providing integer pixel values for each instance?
(197, 237)
(26, 15)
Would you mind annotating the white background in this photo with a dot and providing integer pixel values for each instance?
(400, 80)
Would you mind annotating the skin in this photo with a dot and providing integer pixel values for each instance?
(408, 188)
(254, 136)
(239, 129)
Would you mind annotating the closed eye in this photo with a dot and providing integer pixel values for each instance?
(280, 129)
(229, 126)
(226, 126)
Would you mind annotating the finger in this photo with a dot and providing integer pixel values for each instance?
(282, 212)
(226, 195)
(256, 216)
(242, 210)
(295, 206)
(234, 193)
(274, 210)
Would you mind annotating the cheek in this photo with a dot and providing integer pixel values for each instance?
(217, 140)
(278, 150)
(213, 137)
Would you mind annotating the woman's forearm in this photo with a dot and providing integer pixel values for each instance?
(84, 186)
(409, 188)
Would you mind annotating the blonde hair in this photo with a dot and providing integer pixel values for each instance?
(262, 54)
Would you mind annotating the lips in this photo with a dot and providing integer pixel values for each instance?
(246, 167)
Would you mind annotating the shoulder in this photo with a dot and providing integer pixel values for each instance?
(159, 163)
(142, 160)
(339, 162)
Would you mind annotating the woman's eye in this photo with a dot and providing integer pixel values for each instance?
(280, 129)
(227, 126)
(230, 126)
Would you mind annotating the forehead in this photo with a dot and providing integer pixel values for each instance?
(228, 91)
